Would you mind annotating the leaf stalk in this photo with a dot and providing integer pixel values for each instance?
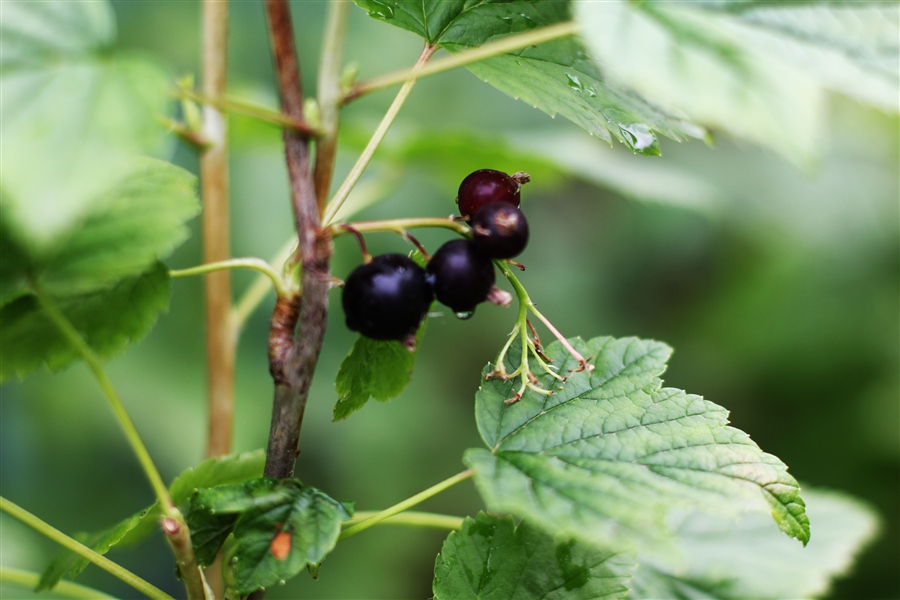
(402, 506)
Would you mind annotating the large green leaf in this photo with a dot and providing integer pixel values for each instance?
(279, 527)
(745, 558)
(755, 71)
(556, 77)
(492, 558)
(73, 118)
(108, 319)
(610, 453)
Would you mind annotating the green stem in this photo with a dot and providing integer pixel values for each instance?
(465, 57)
(93, 361)
(412, 519)
(256, 264)
(30, 580)
(401, 225)
(259, 288)
(329, 96)
(259, 113)
(362, 162)
(98, 559)
(408, 503)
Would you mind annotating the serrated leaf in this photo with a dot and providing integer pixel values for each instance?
(692, 60)
(69, 564)
(745, 558)
(279, 528)
(610, 454)
(374, 369)
(556, 77)
(108, 320)
(492, 558)
(73, 119)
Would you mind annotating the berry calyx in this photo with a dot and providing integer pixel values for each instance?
(485, 186)
(387, 298)
(500, 230)
(462, 275)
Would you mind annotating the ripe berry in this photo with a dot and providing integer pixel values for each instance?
(500, 230)
(387, 298)
(486, 186)
(462, 275)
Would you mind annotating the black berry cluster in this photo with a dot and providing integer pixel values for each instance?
(388, 297)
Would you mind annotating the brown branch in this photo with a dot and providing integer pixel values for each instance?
(293, 365)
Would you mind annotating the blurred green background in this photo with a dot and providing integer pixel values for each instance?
(779, 290)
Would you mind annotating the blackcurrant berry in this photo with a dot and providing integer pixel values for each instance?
(500, 230)
(462, 275)
(486, 186)
(387, 298)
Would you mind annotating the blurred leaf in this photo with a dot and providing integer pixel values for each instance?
(279, 528)
(556, 77)
(693, 60)
(70, 564)
(610, 454)
(108, 320)
(73, 119)
(373, 369)
(492, 558)
(746, 558)
(142, 218)
(849, 47)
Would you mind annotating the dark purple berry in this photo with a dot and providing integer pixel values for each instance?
(462, 275)
(500, 230)
(387, 298)
(486, 186)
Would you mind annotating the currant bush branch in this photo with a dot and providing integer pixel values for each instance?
(80, 549)
(247, 109)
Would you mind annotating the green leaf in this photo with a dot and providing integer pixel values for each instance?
(700, 63)
(279, 528)
(556, 77)
(220, 470)
(69, 564)
(108, 320)
(491, 558)
(744, 558)
(373, 369)
(610, 453)
(73, 118)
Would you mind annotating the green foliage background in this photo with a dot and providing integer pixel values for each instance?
(778, 288)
